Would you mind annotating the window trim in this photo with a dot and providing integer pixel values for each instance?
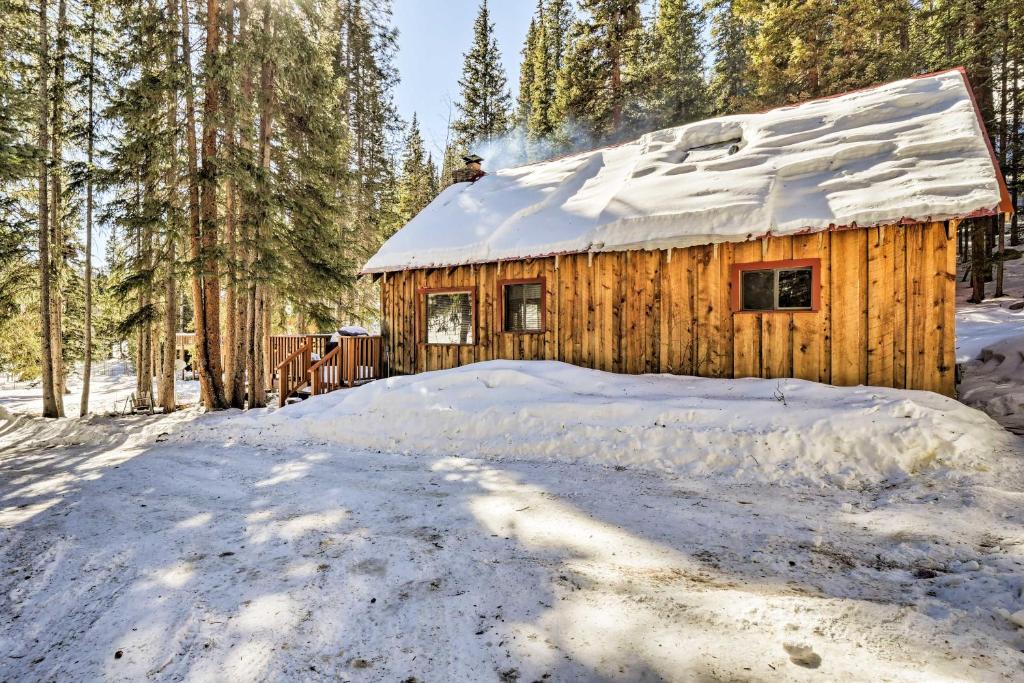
(421, 312)
(785, 264)
(543, 303)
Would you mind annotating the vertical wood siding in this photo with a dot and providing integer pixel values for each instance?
(886, 314)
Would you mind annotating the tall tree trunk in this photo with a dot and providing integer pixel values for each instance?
(166, 398)
(264, 347)
(1000, 222)
(979, 235)
(255, 361)
(245, 209)
(203, 220)
(1015, 149)
(234, 368)
(194, 233)
(89, 150)
(210, 359)
(57, 237)
(49, 398)
(144, 365)
(168, 355)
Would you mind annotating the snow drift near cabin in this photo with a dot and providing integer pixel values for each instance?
(912, 149)
(768, 430)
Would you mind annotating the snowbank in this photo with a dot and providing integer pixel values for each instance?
(910, 149)
(768, 430)
(995, 382)
(979, 326)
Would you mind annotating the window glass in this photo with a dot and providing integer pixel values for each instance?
(757, 290)
(795, 288)
(449, 318)
(523, 307)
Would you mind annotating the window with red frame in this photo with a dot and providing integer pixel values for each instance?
(523, 305)
(450, 317)
(776, 286)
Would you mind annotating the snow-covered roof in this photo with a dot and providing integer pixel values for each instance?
(910, 150)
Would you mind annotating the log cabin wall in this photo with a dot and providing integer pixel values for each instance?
(886, 314)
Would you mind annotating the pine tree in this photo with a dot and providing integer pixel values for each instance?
(50, 405)
(548, 58)
(527, 72)
(542, 88)
(730, 89)
(17, 28)
(676, 75)
(601, 72)
(416, 183)
(365, 59)
(485, 106)
(821, 47)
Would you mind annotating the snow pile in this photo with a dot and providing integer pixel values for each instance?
(995, 382)
(767, 430)
(911, 149)
(981, 325)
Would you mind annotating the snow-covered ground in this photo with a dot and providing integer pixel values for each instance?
(112, 383)
(296, 544)
(764, 430)
(990, 347)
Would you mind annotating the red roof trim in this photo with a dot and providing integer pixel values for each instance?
(1005, 204)
(810, 230)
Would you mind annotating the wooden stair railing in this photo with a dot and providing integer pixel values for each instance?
(325, 376)
(283, 345)
(355, 359)
(362, 359)
(293, 372)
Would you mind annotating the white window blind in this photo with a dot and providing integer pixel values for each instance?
(523, 307)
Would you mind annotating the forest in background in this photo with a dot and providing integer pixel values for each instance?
(246, 156)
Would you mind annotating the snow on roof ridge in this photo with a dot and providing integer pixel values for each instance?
(912, 150)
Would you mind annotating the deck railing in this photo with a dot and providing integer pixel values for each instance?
(293, 372)
(354, 360)
(284, 345)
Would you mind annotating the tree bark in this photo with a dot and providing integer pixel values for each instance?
(1015, 148)
(245, 207)
(234, 376)
(90, 149)
(194, 233)
(256, 362)
(165, 385)
(979, 234)
(203, 213)
(57, 238)
(49, 400)
(1001, 228)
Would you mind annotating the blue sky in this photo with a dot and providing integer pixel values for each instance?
(433, 35)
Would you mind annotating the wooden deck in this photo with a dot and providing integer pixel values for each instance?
(356, 360)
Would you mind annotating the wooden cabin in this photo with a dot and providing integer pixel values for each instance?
(816, 241)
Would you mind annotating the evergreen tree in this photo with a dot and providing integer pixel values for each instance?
(365, 59)
(527, 72)
(823, 47)
(675, 79)
(601, 72)
(416, 182)
(730, 88)
(540, 123)
(17, 114)
(485, 106)
(548, 57)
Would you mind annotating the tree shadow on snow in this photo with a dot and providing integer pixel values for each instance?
(217, 559)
